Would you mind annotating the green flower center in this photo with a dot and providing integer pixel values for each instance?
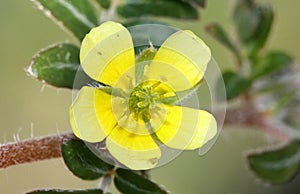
(140, 100)
(140, 109)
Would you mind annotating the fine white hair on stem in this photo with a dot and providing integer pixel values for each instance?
(18, 134)
(57, 128)
(43, 88)
(31, 130)
(57, 92)
(15, 137)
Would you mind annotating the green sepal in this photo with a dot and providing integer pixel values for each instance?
(180, 95)
(143, 59)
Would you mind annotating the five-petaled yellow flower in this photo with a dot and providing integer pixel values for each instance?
(139, 114)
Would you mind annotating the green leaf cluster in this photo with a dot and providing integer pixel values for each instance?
(253, 23)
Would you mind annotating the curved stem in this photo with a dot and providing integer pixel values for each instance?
(32, 150)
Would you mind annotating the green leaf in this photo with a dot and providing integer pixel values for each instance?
(56, 65)
(282, 102)
(253, 23)
(77, 17)
(169, 8)
(246, 19)
(277, 166)
(235, 84)
(271, 62)
(104, 3)
(263, 30)
(128, 182)
(216, 31)
(82, 162)
(54, 191)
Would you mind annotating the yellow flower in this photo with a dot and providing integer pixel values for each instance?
(138, 114)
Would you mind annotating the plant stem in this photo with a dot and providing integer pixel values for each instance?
(251, 117)
(32, 150)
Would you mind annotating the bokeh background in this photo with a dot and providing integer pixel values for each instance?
(26, 104)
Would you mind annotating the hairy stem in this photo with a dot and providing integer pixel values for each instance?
(32, 150)
(251, 117)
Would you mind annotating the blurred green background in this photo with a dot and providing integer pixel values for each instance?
(26, 103)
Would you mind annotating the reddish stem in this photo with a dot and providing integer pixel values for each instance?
(32, 150)
(251, 117)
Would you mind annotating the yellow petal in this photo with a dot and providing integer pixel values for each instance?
(187, 128)
(187, 54)
(91, 115)
(137, 152)
(167, 74)
(107, 52)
